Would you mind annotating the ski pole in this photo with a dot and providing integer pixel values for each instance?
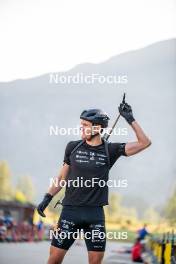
(107, 135)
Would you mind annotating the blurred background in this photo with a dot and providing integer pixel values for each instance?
(131, 45)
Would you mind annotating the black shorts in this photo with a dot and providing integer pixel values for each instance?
(81, 221)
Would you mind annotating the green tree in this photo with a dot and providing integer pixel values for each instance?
(129, 215)
(151, 216)
(113, 210)
(26, 186)
(6, 190)
(20, 197)
(170, 209)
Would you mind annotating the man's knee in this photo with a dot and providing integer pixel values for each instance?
(53, 260)
(95, 257)
(56, 255)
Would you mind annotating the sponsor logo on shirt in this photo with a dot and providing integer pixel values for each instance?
(90, 157)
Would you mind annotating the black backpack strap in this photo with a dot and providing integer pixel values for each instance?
(107, 152)
(77, 146)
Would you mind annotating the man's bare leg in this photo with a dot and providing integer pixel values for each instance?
(56, 255)
(95, 257)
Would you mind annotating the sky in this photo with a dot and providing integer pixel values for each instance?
(42, 36)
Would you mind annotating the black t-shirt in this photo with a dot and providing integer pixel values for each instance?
(89, 172)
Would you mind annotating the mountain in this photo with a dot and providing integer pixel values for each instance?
(30, 106)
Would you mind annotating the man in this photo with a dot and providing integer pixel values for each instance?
(89, 159)
(142, 233)
(136, 251)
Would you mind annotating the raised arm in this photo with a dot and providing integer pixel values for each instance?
(143, 141)
(53, 190)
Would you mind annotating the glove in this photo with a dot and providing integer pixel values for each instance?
(42, 206)
(126, 111)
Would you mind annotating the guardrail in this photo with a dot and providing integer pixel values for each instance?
(163, 248)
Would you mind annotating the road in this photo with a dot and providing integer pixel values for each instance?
(37, 253)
